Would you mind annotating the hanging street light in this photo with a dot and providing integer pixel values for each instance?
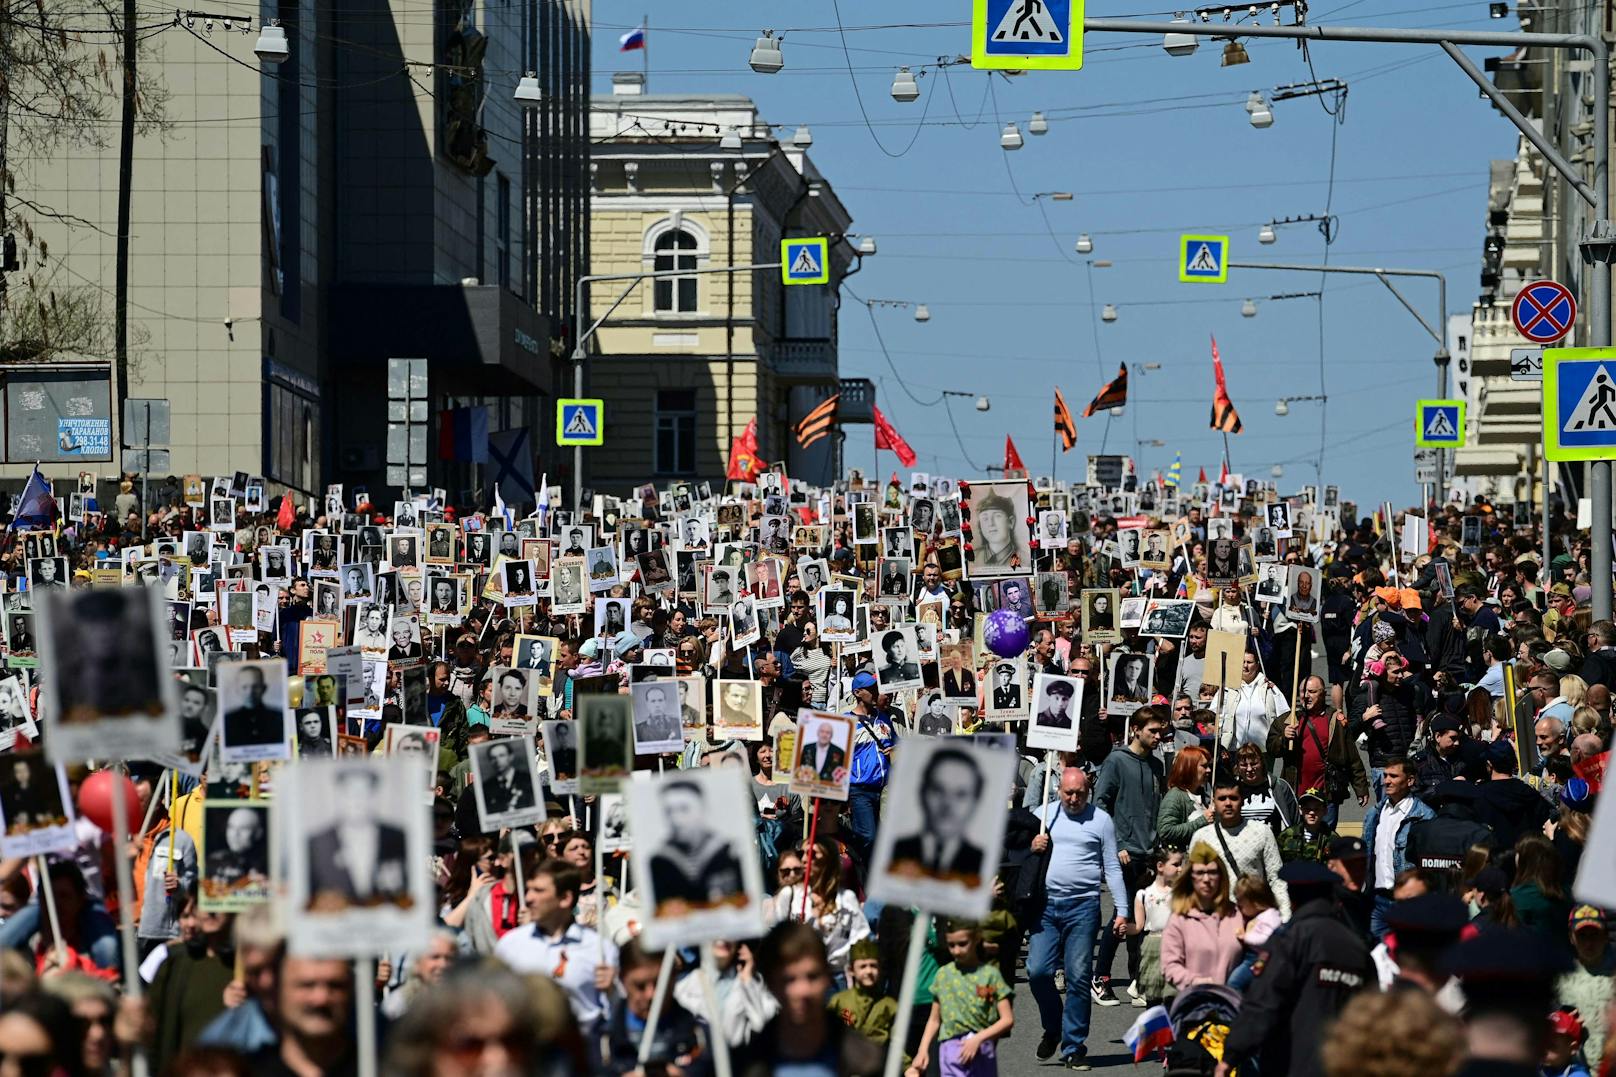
(766, 56)
(1010, 139)
(904, 86)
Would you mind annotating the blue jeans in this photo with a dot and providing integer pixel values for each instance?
(1332, 815)
(1064, 939)
(1241, 976)
(98, 933)
(863, 813)
(1377, 916)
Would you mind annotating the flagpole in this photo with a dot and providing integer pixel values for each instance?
(645, 53)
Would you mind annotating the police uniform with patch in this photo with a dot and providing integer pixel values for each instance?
(1440, 844)
(1307, 972)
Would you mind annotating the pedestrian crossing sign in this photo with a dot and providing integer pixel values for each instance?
(1203, 259)
(1027, 35)
(580, 422)
(805, 260)
(1579, 404)
(1439, 424)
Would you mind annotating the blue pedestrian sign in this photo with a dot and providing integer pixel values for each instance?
(1439, 424)
(1579, 404)
(1203, 259)
(1027, 35)
(805, 260)
(580, 422)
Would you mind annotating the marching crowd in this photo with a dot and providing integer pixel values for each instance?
(1189, 859)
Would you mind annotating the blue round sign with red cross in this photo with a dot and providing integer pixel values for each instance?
(1544, 311)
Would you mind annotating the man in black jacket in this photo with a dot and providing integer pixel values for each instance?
(1303, 978)
(1508, 805)
(1391, 718)
(1441, 844)
(1442, 758)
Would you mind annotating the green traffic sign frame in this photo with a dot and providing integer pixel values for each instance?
(1552, 449)
(600, 421)
(1455, 442)
(1184, 242)
(824, 260)
(982, 61)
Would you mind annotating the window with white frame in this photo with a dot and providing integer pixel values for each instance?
(675, 249)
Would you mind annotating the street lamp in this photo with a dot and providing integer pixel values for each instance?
(803, 137)
(766, 56)
(1037, 125)
(904, 86)
(1248, 309)
(730, 141)
(1282, 406)
(1084, 243)
(528, 95)
(1010, 138)
(1234, 54)
(866, 245)
(1108, 313)
(1277, 471)
(1180, 44)
(1261, 114)
(982, 403)
(1266, 234)
(921, 313)
(271, 46)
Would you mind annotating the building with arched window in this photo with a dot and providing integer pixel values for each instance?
(685, 363)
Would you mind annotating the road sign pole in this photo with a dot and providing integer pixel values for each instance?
(1548, 546)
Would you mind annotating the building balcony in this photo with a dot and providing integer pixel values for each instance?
(803, 361)
(1487, 461)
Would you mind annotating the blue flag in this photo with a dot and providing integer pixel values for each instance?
(36, 508)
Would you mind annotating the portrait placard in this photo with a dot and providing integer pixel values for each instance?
(959, 673)
(106, 684)
(1006, 691)
(505, 777)
(36, 809)
(897, 665)
(561, 755)
(942, 833)
(234, 855)
(1132, 676)
(657, 727)
(605, 726)
(1224, 653)
(738, 714)
(1167, 618)
(1000, 544)
(1101, 622)
(515, 703)
(696, 856)
(1057, 706)
(358, 844)
(824, 750)
(254, 723)
(1302, 588)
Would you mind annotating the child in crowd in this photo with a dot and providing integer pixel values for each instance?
(1260, 910)
(970, 1011)
(1563, 1057)
(862, 1006)
(1310, 838)
(1152, 907)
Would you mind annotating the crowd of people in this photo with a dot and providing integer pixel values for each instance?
(1191, 851)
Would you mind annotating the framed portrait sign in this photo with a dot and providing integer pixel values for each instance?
(1101, 615)
(561, 755)
(824, 751)
(36, 808)
(1057, 706)
(1006, 694)
(1000, 545)
(1302, 588)
(1132, 677)
(696, 856)
(606, 730)
(234, 855)
(1167, 618)
(942, 834)
(504, 775)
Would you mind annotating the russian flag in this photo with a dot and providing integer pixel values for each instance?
(1150, 1034)
(634, 39)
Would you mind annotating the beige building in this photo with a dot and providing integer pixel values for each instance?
(684, 364)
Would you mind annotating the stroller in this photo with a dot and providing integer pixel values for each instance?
(1200, 1018)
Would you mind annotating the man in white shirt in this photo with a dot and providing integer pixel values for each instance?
(1386, 834)
(555, 945)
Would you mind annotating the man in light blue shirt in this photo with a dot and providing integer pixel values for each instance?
(1083, 855)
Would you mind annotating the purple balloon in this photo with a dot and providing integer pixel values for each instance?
(1005, 633)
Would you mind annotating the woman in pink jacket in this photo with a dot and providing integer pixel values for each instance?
(1201, 942)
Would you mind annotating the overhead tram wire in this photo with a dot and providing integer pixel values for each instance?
(859, 97)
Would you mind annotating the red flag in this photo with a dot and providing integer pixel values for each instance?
(744, 464)
(886, 437)
(287, 515)
(1202, 479)
(1012, 459)
(1224, 417)
(1223, 474)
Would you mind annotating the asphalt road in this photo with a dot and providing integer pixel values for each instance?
(1106, 1023)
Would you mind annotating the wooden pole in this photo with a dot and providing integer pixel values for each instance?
(808, 858)
(664, 974)
(43, 874)
(126, 911)
(1043, 805)
(365, 1014)
(709, 993)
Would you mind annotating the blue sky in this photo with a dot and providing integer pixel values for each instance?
(1149, 145)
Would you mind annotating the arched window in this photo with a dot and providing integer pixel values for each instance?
(675, 249)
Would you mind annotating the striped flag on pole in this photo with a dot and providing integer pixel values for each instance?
(1224, 417)
(1113, 395)
(817, 423)
(1064, 426)
(1175, 473)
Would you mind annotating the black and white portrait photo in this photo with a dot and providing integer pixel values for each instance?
(315, 727)
(105, 679)
(739, 710)
(1131, 676)
(836, 616)
(1051, 595)
(959, 673)
(813, 574)
(1302, 594)
(933, 716)
(1051, 529)
(1279, 518)
(1101, 616)
(234, 855)
(894, 577)
(519, 583)
(1057, 704)
(440, 544)
(1223, 561)
(1168, 618)
(404, 549)
(611, 617)
(36, 809)
(513, 700)
(1000, 545)
(1130, 543)
(606, 730)
(504, 773)
(253, 719)
(602, 568)
(47, 573)
(567, 583)
(744, 628)
(536, 655)
(657, 727)
(1157, 554)
(480, 550)
(561, 755)
(1006, 691)
(1271, 578)
(15, 718)
(941, 833)
(358, 854)
(897, 664)
(696, 856)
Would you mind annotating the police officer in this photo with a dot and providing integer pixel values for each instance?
(1508, 978)
(1303, 977)
(1441, 844)
(1422, 929)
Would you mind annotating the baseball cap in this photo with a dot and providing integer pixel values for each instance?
(863, 679)
(1588, 916)
(1348, 847)
(1566, 1023)
(1313, 794)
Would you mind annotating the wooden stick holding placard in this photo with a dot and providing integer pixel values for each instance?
(808, 858)
(365, 1014)
(658, 995)
(707, 973)
(44, 884)
(906, 994)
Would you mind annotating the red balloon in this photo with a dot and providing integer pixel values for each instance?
(95, 799)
